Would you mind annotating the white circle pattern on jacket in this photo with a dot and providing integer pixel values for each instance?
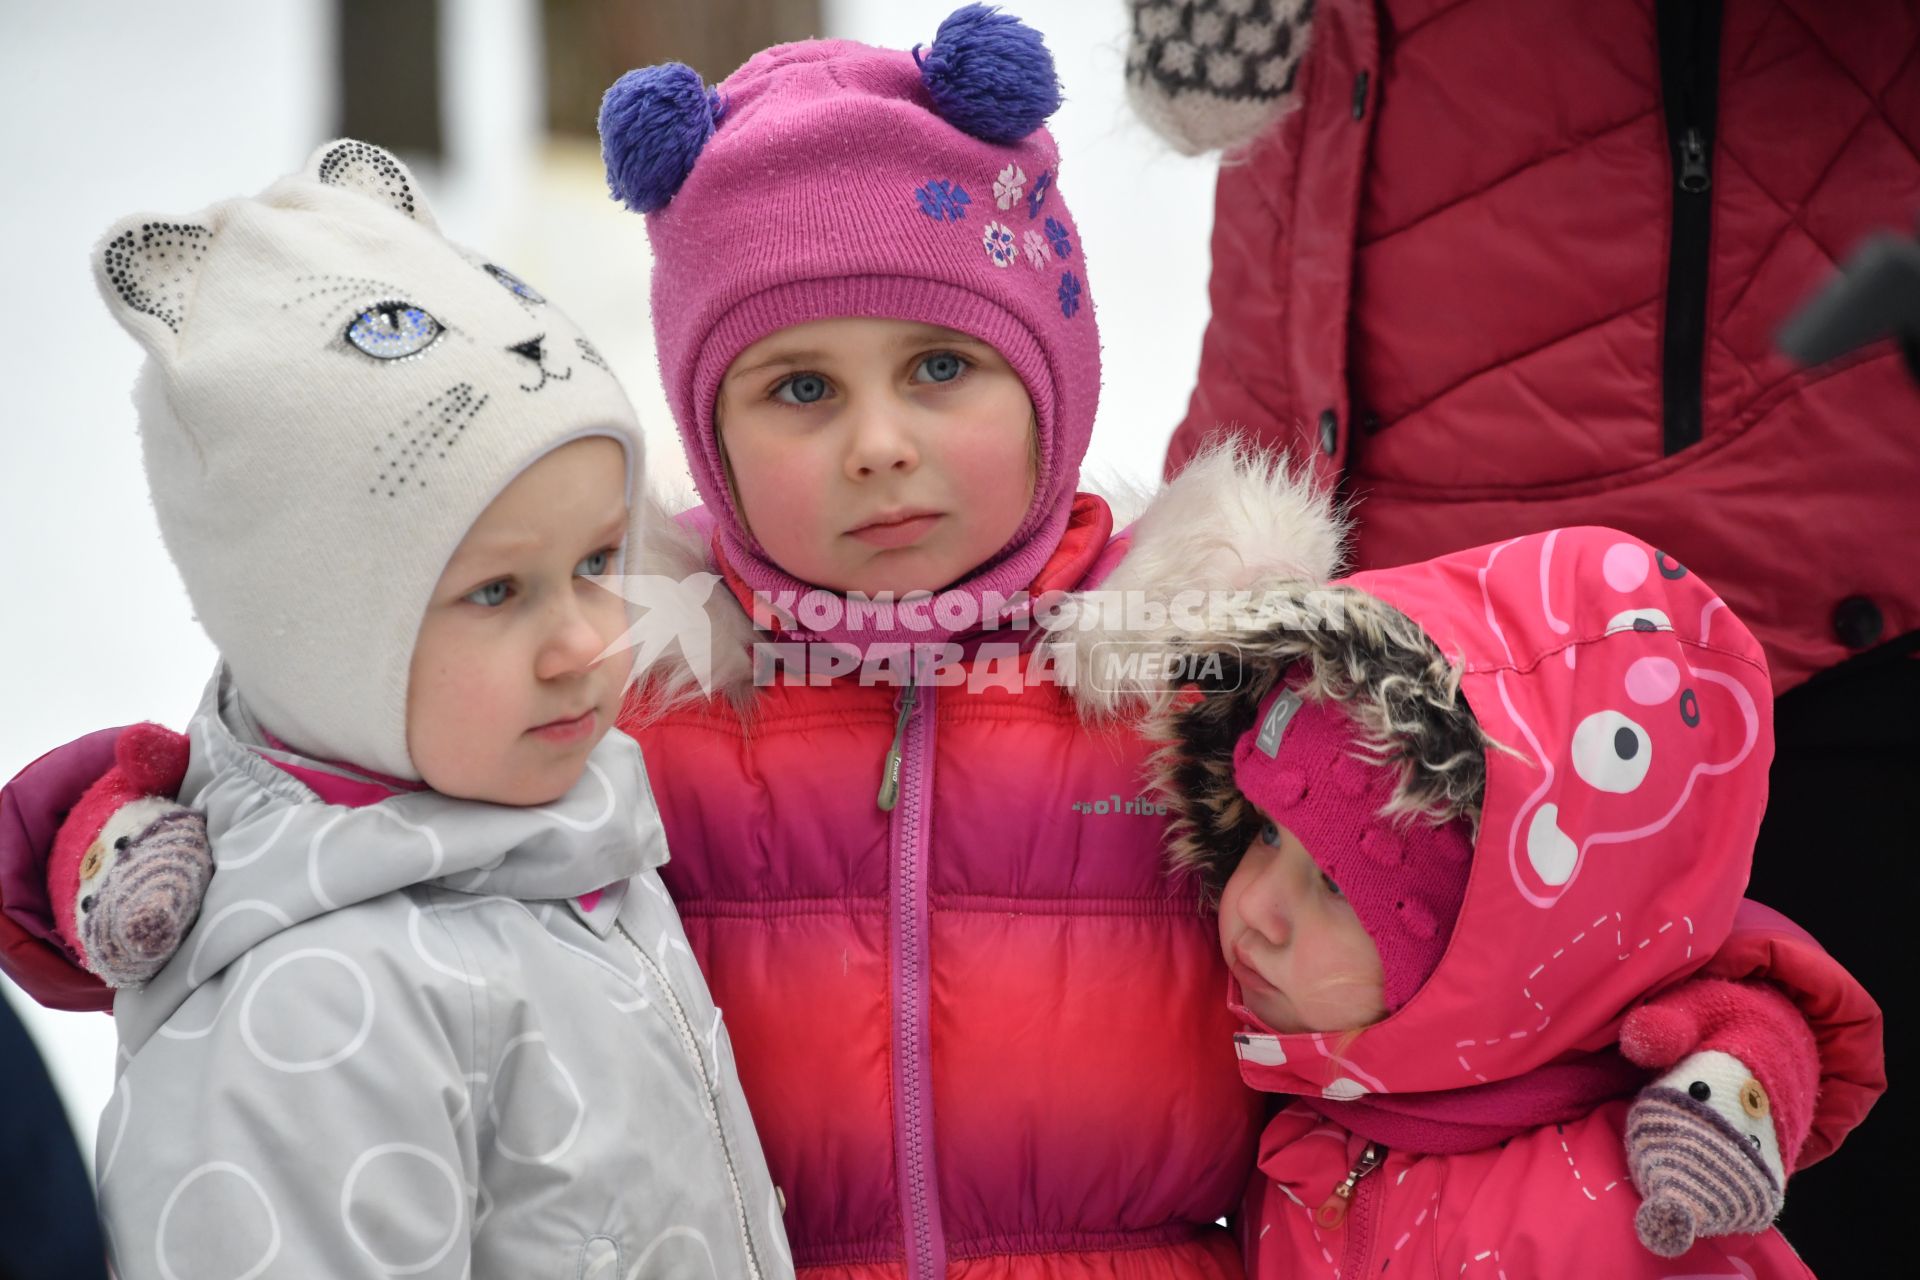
(210, 1203)
(395, 1200)
(521, 1074)
(316, 994)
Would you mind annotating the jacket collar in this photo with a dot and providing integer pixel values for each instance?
(283, 856)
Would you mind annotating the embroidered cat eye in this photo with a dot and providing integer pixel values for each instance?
(515, 284)
(391, 330)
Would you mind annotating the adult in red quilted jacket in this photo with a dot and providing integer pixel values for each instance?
(1496, 266)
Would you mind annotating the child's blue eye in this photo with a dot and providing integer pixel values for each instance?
(1332, 888)
(491, 596)
(801, 388)
(1270, 834)
(596, 564)
(942, 366)
(514, 284)
(390, 330)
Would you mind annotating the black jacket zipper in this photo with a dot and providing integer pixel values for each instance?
(1689, 33)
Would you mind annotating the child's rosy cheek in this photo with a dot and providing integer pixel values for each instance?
(779, 506)
(988, 466)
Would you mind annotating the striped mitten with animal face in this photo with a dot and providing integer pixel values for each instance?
(1711, 1141)
(130, 863)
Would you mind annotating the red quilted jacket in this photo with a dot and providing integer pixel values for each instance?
(1518, 264)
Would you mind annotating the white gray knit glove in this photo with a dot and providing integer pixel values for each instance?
(1211, 75)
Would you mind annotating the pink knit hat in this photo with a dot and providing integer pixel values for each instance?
(1302, 764)
(831, 179)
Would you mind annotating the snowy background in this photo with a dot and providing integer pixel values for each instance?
(110, 109)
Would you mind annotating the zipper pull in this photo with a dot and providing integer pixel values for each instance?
(1694, 175)
(890, 775)
(1330, 1215)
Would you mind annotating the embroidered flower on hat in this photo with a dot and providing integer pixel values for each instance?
(999, 244)
(1009, 186)
(943, 201)
(1037, 193)
(1057, 237)
(1037, 252)
(1069, 294)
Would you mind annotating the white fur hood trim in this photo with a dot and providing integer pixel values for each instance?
(1235, 520)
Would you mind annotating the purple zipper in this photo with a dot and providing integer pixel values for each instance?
(912, 1065)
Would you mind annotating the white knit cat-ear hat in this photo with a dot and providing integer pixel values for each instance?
(334, 393)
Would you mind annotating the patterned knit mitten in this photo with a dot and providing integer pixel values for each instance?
(1211, 75)
(1710, 1143)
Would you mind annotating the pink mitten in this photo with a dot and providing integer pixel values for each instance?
(130, 864)
(1710, 1143)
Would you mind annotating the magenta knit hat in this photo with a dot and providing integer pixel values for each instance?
(829, 179)
(1302, 765)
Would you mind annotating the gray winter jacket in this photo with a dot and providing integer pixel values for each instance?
(429, 1037)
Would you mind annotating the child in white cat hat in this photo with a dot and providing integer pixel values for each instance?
(437, 1016)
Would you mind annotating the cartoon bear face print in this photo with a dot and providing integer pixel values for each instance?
(1633, 710)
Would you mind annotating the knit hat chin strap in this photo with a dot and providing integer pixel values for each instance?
(1305, 765)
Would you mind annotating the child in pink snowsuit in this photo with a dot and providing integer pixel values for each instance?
(1463, 817)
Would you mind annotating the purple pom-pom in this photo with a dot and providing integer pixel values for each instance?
(990, 74)
(653, 122)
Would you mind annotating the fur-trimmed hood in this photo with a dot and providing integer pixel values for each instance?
(1231, 528)
(1602, 716)
(1331, 643)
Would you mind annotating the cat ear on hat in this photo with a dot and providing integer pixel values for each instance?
(374, 172)
(653, 123)
(146, 267)
(990, 74)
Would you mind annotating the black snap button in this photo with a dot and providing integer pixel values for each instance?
(1857, 622)
(1329, 432)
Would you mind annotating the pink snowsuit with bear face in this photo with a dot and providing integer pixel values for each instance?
(1611, 857)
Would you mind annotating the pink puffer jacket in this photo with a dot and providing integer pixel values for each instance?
(1612, 851)
(981, 1034)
